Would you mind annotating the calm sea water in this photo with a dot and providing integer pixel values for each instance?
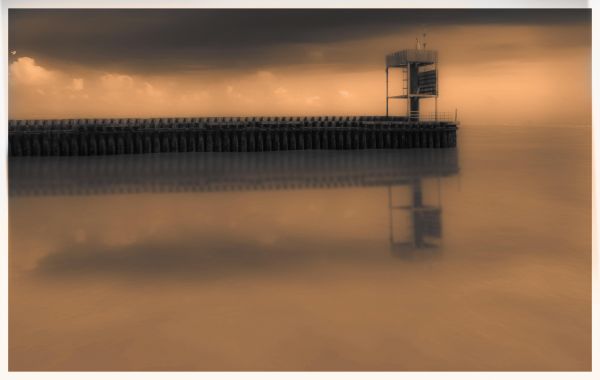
(472, 259)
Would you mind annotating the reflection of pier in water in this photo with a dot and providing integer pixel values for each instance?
(203, 172)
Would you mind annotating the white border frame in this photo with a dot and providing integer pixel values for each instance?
(285, 4)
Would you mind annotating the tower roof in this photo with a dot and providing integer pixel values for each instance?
(403, 57)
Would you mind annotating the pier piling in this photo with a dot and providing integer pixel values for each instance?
(137, 136)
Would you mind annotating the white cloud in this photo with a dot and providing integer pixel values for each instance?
(150, 90)
(265, 75)
(116, 81)
(76, 84)
(194, 96)
(25, 71)
(280, 91)
(313, 100)
(344, 93)
(231, 92)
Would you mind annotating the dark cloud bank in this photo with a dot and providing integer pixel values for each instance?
(156, 40)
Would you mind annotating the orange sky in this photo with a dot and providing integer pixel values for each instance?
(493, 74)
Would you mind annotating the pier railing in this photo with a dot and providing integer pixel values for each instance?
(171, 123)
(432, 116)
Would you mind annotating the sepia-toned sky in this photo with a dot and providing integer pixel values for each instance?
(496, 66)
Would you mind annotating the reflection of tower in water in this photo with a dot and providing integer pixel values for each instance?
(425, 225)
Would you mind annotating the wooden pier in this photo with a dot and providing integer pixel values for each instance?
(100, 137)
